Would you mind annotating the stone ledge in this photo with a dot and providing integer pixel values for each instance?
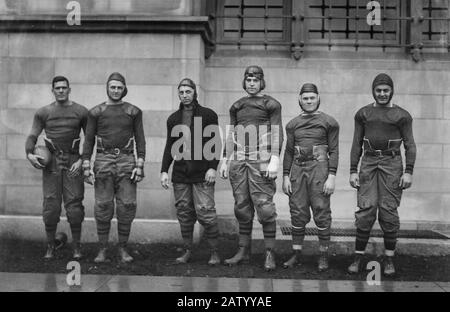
(142, 231)
(167, 231)
(112, 24)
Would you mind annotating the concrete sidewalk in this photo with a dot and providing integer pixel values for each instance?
(38, 282)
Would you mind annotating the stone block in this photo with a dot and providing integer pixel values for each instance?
(35, 45)
(155, 123)
(4, 44)
(421, 106)
(16, 121)
(151, 98)
(136, 71)
(221, 101)
(15, 148)
(187, 46)
(151, 180)
(227, 79)
(88, 95)
(421, 82)
(3, 139)
(120, 46)
(147, 98)
(418, 205)
(3, 94)
(155, 149)
(343, 108)
(436, 180)
(224, 202)
(221, 184)
(121, 7)
(155, 204)
(32, 70)
(2, 199)
(429, 156)
(446, 156)
(19, 172)
(22, 95)
(431, 131)
(446, 107)
(23, 200)
(4, 70)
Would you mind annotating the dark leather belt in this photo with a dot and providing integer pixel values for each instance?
(114, 151)
(382, 153)
(303, 161)
(305, 158)
(60, 149)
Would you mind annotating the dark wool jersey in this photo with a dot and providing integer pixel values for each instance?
(379, 125)
(191, 170)
(115, 125)
(62, 124)
(187, 116)
(257, 111)
(308, 130)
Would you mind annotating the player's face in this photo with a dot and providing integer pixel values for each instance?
(309, 101)
(61, 91)
(115, 90)
(252, 85)
(383, 94)
(186, 95)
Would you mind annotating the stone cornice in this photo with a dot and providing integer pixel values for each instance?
(110, 24)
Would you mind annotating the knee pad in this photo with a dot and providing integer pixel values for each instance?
(323, 225)
(243, 216)
(126, 212)
(364, 224)
(389, 226)
(104, 211)
(50, 217)
(75, 211)
(75, 216)
(207, 221)
(266, 212)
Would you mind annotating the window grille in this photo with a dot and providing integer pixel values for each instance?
(410, 26)
(253, 21)
(436, 22)
(346, 19)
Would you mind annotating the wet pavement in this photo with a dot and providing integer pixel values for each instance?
(39, 282)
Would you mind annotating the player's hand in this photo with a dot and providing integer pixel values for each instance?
(75, 168)
(88, 174)
(287, 186)
(89, 177)
(210, 176)
(329, 185)
(34, 160)
(405, 181)
(354, 180)
(137, 175)
(164, 180)
(223, 171)
(272, 168)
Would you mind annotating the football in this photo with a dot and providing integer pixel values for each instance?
(44, 152)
